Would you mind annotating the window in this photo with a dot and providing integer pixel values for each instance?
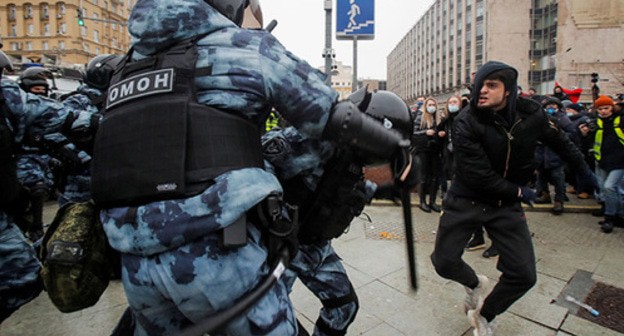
(12, 12)
(114, 42)
(30, 29)
(15, 46)
(63, 28)
(44, 45)
(61, 45)
(96, 36)
(28, 11)
(44, 11)
(97, 50)
(83, 31)
(61, 8)
(46, 29)
(113, 26)
(13, 30)
(29, 46)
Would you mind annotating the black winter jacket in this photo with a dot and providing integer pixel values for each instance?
(494, 158)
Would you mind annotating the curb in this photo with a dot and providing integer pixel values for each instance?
(569, 207)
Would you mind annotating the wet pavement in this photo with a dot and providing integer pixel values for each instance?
(374, 254)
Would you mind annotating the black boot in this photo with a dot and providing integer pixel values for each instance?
(433, 193)
(38, 195)
(607, 225)
(423, 199)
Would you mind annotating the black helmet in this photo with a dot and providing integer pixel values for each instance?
(33, 77)
(5, 62)
(386, 107)
(232, 9)
(100, 70)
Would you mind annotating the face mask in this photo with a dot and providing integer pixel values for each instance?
(453, 108)
(550, 110)
(431, 109)
(569, 114)
(419, 104)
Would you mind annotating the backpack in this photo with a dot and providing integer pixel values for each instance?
(76, 258)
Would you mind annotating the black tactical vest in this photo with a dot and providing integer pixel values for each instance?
(340, 195)
(157, 142)
(9, 186)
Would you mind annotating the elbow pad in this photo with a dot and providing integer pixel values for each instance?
(347, 125)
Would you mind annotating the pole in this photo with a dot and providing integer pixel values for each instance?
(354, 85)
(328, 53)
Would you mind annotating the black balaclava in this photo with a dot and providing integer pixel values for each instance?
(511, 85)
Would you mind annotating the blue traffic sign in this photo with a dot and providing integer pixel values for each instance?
(355, 18)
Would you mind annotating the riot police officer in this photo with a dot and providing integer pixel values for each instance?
(89, 97)
(180, 140)
(34, 172)
(22, 113)
(326, 182)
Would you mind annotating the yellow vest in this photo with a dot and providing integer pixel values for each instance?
(599, 133)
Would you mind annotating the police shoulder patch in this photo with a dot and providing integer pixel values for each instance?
(141, 85)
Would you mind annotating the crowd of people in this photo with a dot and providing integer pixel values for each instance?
(206, 195)
(583, 124)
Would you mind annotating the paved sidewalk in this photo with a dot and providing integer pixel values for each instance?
(374, 255)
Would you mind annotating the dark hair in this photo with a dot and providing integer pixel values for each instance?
(507, 76)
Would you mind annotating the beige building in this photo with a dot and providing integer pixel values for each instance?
(342, 77)
(49, 33)
(547, 41)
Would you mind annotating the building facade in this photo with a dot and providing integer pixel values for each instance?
(547, 41)
(48, 32)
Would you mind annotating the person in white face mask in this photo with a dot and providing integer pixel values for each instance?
(452, 108)
(427, 147)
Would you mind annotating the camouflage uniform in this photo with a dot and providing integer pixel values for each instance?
(317, 265)
(33, 169)
(174, 271)
(78, 185)
(19, 267)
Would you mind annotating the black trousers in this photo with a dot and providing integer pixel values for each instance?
(507, 227)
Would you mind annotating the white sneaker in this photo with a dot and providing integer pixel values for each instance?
(479, 323)
(475, 297)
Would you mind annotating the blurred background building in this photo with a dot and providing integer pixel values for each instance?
(63, 33)
(547, 41)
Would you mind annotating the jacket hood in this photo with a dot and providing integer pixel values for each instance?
(157, 24)
(511, 85)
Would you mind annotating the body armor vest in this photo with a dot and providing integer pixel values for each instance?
(9, 185)
(157, 142)
(340, 195)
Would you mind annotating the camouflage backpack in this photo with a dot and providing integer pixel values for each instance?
(76, 258)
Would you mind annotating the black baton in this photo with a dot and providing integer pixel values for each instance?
(409, 235)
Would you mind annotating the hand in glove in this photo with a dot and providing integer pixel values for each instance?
(526, 195)
(81, 125)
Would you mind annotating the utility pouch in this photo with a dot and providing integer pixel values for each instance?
(279, 224)
(235, 235)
